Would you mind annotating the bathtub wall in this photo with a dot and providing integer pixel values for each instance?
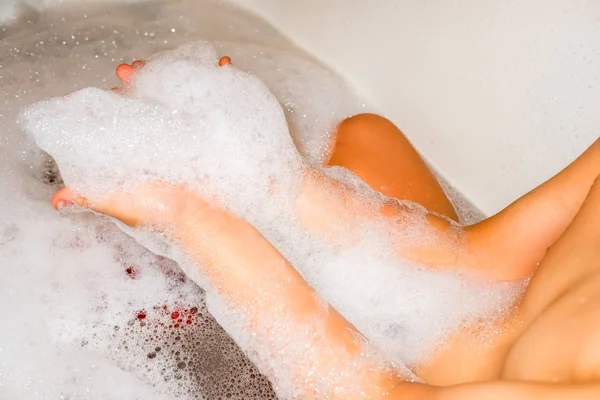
(498, 95)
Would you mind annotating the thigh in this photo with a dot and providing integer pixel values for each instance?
(378, 152)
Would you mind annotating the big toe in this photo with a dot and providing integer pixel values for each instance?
(125, 72)
(67, 197)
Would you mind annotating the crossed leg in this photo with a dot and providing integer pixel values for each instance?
(507, 246)
(375, 150)
(378, 152)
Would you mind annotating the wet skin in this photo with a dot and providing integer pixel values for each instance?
(549, 348)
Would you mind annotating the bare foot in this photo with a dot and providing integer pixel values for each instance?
(125, 72)
(153, 204)
(156, 203)
(324, 205)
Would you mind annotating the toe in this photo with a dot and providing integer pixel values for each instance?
(125, 72)
(67, 197)
(226, 60)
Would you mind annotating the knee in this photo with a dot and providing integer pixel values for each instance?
(363, 120)
(365, 125)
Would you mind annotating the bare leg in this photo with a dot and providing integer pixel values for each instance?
(578, 250)
(519, 236)
(507, 246)
(377, 151)
(374, 149)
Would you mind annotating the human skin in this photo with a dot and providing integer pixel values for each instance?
(547, 349)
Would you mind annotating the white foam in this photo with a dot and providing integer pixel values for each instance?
(67, 281)
(76, 286)
(221, 132)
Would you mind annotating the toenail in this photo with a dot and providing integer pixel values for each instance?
(226, 60)
(124, 71)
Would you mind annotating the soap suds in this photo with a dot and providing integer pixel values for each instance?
(221, 132)
(68, 282)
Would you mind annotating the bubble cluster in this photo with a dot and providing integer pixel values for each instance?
(83, 304)
(98, 293)
(221, 132)
(184, 349)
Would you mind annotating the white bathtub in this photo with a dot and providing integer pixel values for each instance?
(498, 95)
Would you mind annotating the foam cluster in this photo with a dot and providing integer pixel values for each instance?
(101, 312)
(180, 109)
(221, 132)
(74, 290)
(86, 309)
